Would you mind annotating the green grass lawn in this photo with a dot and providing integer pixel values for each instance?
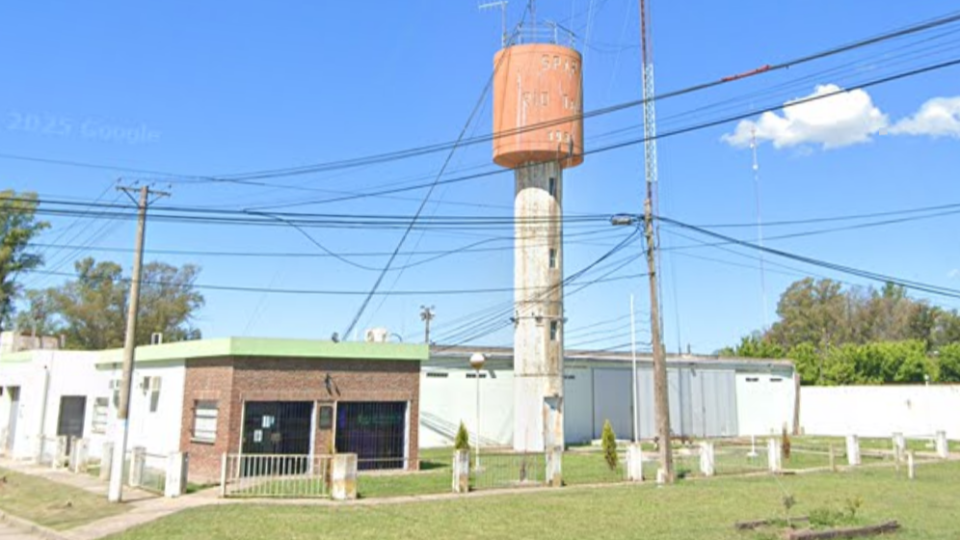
(51, 504)
(702, 510)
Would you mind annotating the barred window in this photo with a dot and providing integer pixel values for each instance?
(205, 421)
(101, 413)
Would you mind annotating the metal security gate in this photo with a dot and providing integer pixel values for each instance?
(375, 431)
(277, 428)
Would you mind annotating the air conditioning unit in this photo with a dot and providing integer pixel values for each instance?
(377, 335)
(154, 384)
(115, 384)
(156, 338)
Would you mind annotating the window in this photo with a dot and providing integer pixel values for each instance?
(154, 393)
(205, 421)
(474, 375)
(554, 330)
(101, 412)
(753, 379)
(775, 379)
(325, 421)
(553, 258)
(115, 389)
(438, 374)
(552, 186)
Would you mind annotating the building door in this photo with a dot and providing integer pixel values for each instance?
(14, 414)
(375, 431)
(277, 427)
(72, 413)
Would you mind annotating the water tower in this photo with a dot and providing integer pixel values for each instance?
(538, 128)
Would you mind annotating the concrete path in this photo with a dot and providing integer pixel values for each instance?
(8, 532)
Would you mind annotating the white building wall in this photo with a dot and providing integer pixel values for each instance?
(447, 401)
(880, 411)
(765, 402)
(30, 381)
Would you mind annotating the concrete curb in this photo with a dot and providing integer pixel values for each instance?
(31, 527)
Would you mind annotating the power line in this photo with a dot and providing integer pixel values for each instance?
(873, 276)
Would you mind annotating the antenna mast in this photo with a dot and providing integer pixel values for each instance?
(756, 187)
(502, 4)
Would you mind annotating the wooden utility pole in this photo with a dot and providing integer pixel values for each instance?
(115, 492)
(426, 315)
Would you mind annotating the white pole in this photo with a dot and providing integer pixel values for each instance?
(476, 464)
(636, 399)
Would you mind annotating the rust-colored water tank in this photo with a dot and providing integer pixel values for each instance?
(537, 84)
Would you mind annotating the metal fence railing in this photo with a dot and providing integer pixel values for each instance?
(275, 475)
(508, 470)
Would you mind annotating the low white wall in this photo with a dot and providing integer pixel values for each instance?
(448, 397)
(879, 411)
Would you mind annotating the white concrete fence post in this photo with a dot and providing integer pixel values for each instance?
(634, 463)
(176, 474)
(853, 450)
(344, 477)
(773, 455)
(942, 446)
(223, 475)
(138, 460)
(461, 471)
(106, 460)
(911, 470)
(707, 461)
(60, 455)
(554, 464)
(79, 455)
(899, 447)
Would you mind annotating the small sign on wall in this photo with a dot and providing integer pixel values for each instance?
(257, 435)
(268, 421)
(325, 420)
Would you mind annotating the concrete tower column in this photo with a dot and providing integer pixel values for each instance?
(538, 308)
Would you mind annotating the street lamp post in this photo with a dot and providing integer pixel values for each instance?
(476, 362)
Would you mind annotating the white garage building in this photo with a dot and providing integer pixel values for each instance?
(709, 396)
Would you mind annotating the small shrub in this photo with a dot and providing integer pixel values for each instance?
(852, 506)
(608, 440)
(462, 441)
(682, 472)
(789, 501)
(826, 517)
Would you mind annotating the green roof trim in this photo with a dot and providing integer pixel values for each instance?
(273, 347)
(22, 356)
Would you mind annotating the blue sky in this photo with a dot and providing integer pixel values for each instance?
(215, 88)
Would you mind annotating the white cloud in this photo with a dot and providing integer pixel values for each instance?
(938, 117)
(839, 120)
(954, 274)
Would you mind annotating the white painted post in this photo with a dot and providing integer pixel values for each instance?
(707, 462)
(344, 477)
(943, 450)
(461, 471)
(223, 475)
(79, 454)
(106, 460)
(853, 450)
(773, 455)
(138, 460)
(60, 456)
(911, 470)
(634, 463)
(176, 481)
(899, 447)
(555, 466)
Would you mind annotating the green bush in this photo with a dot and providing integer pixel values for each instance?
(462, 441)
(609, 442)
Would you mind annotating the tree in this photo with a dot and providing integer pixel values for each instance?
(18, 225)
(949, 363)
(608, 439)
(811, 312)
(37, 318)
(91, 310)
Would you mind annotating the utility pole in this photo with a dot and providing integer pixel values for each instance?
(426, 315)
(661, 396)
(115, 492)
